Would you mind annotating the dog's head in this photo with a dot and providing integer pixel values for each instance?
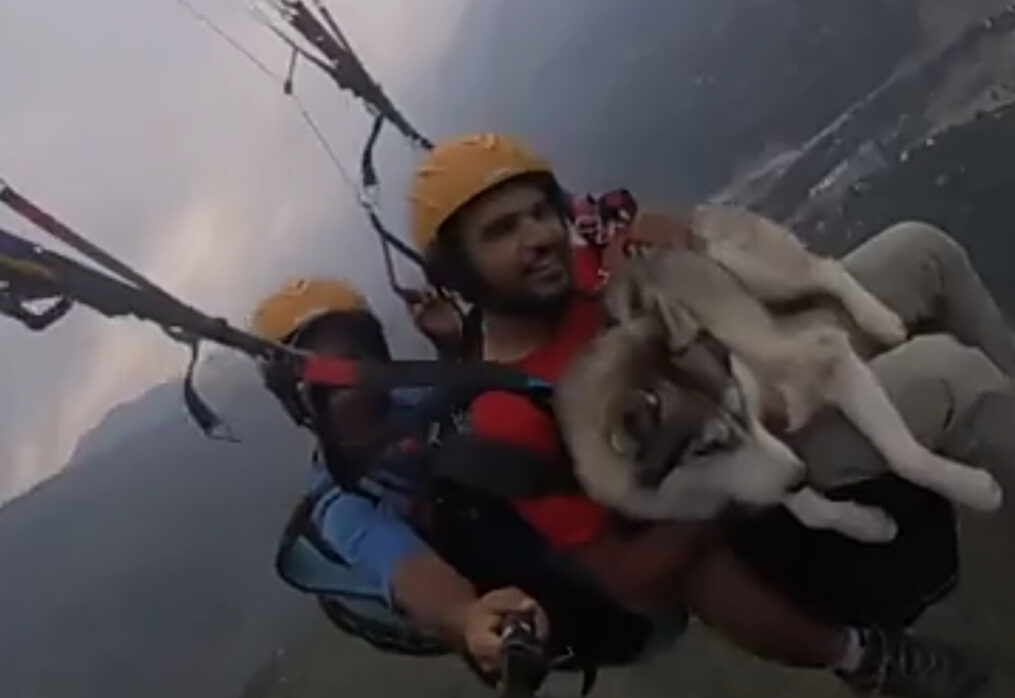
(657, 421)
(666, 422)
(642, 404)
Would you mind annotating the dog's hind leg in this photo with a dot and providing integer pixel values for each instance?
(864, 523)
(854, 389)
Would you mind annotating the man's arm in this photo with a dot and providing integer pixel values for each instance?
(432, 593)
(414, 579)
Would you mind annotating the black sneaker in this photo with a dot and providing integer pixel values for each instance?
(903, 666)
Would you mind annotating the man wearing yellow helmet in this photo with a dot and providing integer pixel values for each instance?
(489, 218)
(360, 504)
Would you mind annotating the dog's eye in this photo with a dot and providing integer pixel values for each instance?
(638, 423)
(717, 431)
(646, 414)
(621, 444)
(732, 400)
(650, 398)
(715, 436)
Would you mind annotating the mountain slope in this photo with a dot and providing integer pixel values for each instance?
(147, 570)
(668, 98)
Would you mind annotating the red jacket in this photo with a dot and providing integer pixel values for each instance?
(571, 519)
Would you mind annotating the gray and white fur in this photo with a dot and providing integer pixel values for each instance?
(662, 412)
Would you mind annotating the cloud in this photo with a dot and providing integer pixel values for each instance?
(154, 138)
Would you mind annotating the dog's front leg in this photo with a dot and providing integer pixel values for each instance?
(870, 314)
(776, 273)
(867, 524)
(855, 390)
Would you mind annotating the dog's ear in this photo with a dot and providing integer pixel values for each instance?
(679, 326)
(623, 300)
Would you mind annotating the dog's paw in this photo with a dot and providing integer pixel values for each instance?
(979, 490)
(881, 323)
(960, 483)
(863, 523)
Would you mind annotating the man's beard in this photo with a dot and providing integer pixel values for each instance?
(523, 304)
(526, 303)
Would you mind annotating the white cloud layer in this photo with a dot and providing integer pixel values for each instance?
(150, 135)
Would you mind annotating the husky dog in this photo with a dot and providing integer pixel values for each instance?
(662, 413)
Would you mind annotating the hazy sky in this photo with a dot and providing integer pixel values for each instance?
(150, 135)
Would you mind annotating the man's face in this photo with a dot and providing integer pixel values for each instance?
(519, 248)
(354, 416)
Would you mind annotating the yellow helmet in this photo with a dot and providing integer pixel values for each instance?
(300, 302)
(458, 170)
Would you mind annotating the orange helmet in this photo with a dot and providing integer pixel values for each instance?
(456, 171)
(300, 302)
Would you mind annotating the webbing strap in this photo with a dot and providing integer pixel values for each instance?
(501, 470)
(209, 422)
(46, 274)
(130, 294)
(452, 387)
(386, 375)
(48, 223)
(368, 173)
(13, 305)
(389, 241)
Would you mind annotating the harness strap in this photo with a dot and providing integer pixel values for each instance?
(44, 271)
(368, 173)
(13, 305)
(209, 422)
(388, 240)
(337, 372)
(49, 224)
(370, 182)
(453, 386)
(501, 470)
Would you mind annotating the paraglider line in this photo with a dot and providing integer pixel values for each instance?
(275, 77)
(323, 141)
(361, 195)
(206, 21)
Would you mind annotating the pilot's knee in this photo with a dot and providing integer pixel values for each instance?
(917, 240)
(962, 367)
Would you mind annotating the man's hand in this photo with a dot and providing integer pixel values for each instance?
(482, 622)
(434, 595)
(436, 318)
